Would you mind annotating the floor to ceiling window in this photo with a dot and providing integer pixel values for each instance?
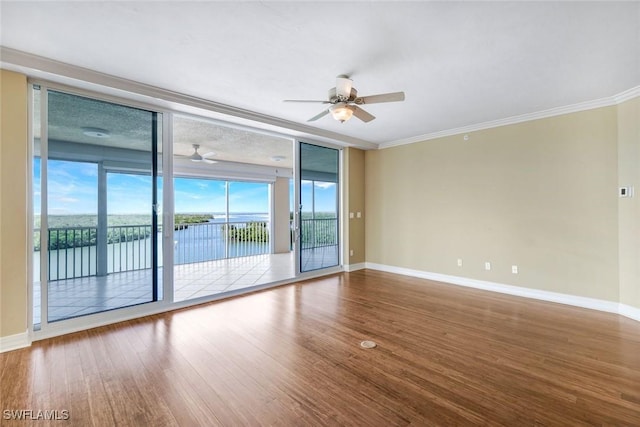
(98, 179)
(95, 171)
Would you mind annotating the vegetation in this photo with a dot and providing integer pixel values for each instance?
(321, 232)
(75, 231)
(317, 215)
(88, 236)
(252, 232)
(182, 221)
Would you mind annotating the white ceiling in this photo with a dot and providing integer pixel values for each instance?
(459, 63)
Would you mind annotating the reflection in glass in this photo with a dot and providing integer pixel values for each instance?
(319, 233)
(101, 234)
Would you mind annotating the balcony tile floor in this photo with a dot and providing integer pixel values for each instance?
(76, 297)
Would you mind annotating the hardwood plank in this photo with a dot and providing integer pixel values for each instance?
(446, 355)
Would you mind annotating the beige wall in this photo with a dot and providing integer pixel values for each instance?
(281, 238)
(629, 208)
(13, 203)
(354, 203)
(540, 195)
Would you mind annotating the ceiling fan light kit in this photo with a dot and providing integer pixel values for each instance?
(344, 101)
(341, 112)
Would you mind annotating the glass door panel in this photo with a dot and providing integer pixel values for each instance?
(101, 190)
(319, 207)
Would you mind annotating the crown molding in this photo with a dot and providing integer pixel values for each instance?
(627, 95)
(60, 72)
(40, 67)
(558, 111)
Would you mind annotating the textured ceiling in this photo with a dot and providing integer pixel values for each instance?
(229, 144)
(70, 116)
(459, 63)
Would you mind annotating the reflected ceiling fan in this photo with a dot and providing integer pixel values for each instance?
(197, 157)
(345, 101)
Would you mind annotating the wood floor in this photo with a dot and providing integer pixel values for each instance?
(290, 356)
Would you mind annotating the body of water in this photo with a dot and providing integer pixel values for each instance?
(194, 243)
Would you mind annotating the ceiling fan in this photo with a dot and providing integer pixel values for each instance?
(345, 101)
(197, 157)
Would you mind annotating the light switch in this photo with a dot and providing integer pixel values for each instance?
(350, 215)
(359, 214)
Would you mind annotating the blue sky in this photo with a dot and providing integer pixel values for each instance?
(72, 188)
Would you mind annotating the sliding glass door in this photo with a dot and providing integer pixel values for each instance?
(97, 181)
(96, 229)
(318, 207)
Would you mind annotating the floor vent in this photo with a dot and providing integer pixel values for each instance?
(368, 344)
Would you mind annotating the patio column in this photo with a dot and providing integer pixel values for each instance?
(281, 240)
(101, 238)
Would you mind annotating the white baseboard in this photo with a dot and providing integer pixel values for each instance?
(354, 267)
(630, 312)
(14, 342)
(574, 300)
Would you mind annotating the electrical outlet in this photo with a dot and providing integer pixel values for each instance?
(514, 269)
(351, 252)
(459, 262)
(625, 192)
(487, 266)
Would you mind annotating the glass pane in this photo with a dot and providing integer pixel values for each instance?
(101, 168)
(319, 245)
(36, 203)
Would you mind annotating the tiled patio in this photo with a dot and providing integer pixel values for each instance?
(213, 277)
(77, 297)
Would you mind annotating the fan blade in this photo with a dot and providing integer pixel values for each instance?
(319, 116)
(194, 157)
(361, 114)
(306, 100)
(209, 154)
(384, 97)
(209, 161)
(343, 86)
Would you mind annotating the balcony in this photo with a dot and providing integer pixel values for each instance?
(209, 258)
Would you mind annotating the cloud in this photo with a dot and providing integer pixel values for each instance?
(188, 195)
(325, 185)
